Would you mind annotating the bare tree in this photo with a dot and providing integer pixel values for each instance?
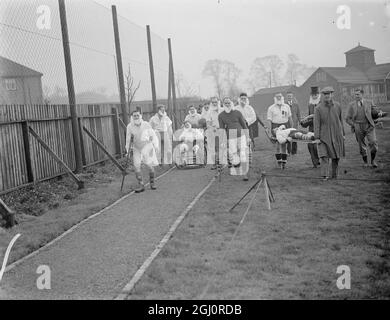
(214, 70)
(184, 89)
(224, 74)
(46, 95)
(265, 71)
(231, 75)
(131, 88)
(296, 72)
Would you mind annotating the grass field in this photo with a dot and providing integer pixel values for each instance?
(292, 251)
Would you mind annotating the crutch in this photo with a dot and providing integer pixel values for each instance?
(124, 173)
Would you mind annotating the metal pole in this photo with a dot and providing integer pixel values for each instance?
(70, 84)
(174, 106)
(153, 84)
(122, 94)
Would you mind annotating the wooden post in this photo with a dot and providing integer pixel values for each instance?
(173, 84)
(115, 121)
(70, 84)
(83, 157)
(51, 152)
(7, 214)
(27, 153)
(151, 68)
(121, 81)
(103, 148)
(169, 91)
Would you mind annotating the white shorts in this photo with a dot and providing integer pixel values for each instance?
(147, 156)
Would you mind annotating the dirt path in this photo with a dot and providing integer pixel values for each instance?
(96, 260)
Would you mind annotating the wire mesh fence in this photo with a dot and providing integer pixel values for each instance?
(31, 38)
(33, 77)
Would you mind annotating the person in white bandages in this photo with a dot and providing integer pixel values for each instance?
(144, 147)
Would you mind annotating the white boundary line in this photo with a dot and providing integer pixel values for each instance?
(49, 244)
(140, 272)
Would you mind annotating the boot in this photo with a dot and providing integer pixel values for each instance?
(324, 168)
(140, 186)
(373, 163)
(365, 161)
(335, 165)
(284, 160)
(278, 157)
(151, 177)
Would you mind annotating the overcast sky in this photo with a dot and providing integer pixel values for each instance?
(234, 30)
(241, 30)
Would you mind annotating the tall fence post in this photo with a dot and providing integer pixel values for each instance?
(171, 70)
(170, 109)
(70, 84)
(122, 94)
(115, 121)
(27, 153)
(151, 68)
(83, 157)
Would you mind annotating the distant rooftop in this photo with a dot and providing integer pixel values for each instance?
(9, 68)
(359, 48)
(275, 89)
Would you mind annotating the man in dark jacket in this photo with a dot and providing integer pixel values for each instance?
(359, 117)
(328, 127)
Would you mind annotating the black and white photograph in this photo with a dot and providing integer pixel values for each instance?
(207, 151)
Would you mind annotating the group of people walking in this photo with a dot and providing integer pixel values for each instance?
(325, 122)
(232, 126)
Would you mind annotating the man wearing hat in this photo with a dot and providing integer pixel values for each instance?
(279, 114)
(359, 117)
(292, 147)
(329, 128)
(314, 100)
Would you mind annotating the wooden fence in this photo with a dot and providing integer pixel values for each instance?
(24, 160)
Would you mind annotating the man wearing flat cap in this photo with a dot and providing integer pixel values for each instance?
(329, 129)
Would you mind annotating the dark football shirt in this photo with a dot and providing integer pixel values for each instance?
(232, 120)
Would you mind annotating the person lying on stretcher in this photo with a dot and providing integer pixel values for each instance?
(187, 137)
(283, 135)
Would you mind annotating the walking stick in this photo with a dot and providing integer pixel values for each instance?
(124, 173)
(251, 188)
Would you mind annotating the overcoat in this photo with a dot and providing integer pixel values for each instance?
(329, 128)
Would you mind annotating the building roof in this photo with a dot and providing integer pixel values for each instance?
(359, 48)
(378, 72)
(347, 74)
(11, 69)
(275, 90)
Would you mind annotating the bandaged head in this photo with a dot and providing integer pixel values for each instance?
(278, 99)
(214, 103)
(227, 104)
(137, 117)
(161, 109)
